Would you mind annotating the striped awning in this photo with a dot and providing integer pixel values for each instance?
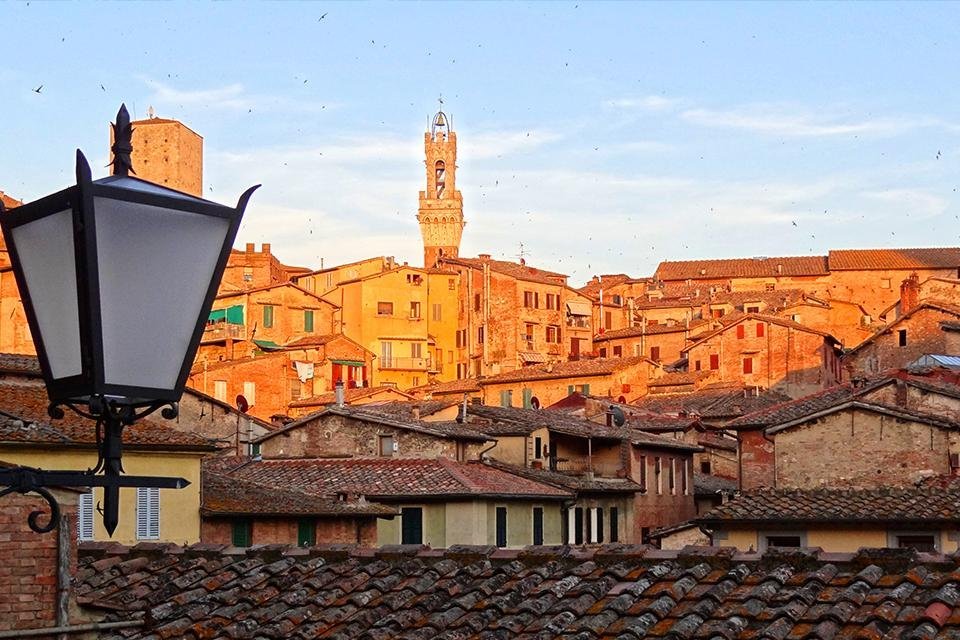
(578, 308)
(532, 356)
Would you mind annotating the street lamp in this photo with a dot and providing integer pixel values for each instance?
(117, 278)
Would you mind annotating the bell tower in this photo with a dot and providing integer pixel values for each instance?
(441, 205)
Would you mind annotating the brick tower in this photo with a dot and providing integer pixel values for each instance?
(167, 152)
(441, 205)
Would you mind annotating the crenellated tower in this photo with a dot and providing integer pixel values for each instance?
(441, 205)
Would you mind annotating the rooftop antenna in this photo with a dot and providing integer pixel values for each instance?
(522, 256)
(151, 114)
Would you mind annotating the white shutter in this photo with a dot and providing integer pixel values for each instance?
(85, 517)
(148, 513)
(250, 392)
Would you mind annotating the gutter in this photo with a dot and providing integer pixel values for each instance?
(73, 628)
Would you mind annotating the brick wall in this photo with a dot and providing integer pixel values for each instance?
(857, 448)
(361, 531)
(923, 335)
(756, 460)
(28, 562)
(661, 507)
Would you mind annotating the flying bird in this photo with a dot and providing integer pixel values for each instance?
(321, 17)
(38, 89)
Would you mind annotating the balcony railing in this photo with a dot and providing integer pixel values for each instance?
(222, 330)
(408, 364)
(583, 464)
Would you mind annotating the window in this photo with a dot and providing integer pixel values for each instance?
(250, 392)
(918, 541)
(480, 335)
(655, 354)
(657, 469)
(760, 329)
(241, 533)
(85, 517)
(578, 525)
(528, 333)
(416, 349)
(748, 365)
(415, 279)
(461, 338)
(784, 540)
(538, 525)
(411, 525)
(148, 513)
(685, 472)
(884, 283)
(248, 274)
(476, 302)
(673, 476)
(696, 365)
(527, 398)
(506, 398)
(306, 533)
(530, 299)
(414, 310)
(616, 300)
(714, 361)
(614, 524)
(553, 334)
(384, 308)
(386, 445)
(553, 301)
(386, 355)
(618, 352)
(451, 284)
(902, 337)
(308, 320)
(294, 389)
(537, 448)
(607, 320)
(705, 467)
(437, 312)
(643, 473)
(770, 287)
(220, 390)
(501, 526)
(603, 352)
(599, 524)
(740, 331)
(267, 316)
(753, 309)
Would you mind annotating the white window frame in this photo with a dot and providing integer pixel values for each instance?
(148, 513)
(220, 390)
(762, 538)
(85, 511)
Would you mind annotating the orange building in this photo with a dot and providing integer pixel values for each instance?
(768, 352)
(847, 321)
(252, 269)
(167, 152)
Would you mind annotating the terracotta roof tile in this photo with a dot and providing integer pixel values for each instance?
(512, 269)
(578, 483)
(465, 385)
(712, 404)
(224, 495)
(568, 369)
(926, 258)
(349, 396)
(392, 478)
(902, 505)
(25, 407)
(605, 282)
(741, 268)
(608, 592)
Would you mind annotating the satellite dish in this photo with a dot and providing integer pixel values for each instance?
(619, 418)
(622, 400)
(242, 403)
(535, 402)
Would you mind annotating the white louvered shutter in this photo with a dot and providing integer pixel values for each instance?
(148, 513)
(85, 517)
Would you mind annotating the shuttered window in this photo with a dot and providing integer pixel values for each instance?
(501, 526)
(614, 524)
(308, 320)
(599, 524)
(538, 525)
(148, 513)
(85, 517)
(578, 525)
(411, 520)
(267, 316)
(306, 533)
(241, 533)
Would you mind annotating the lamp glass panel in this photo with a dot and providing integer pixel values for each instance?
(155, 266)
(45, 247)
(149, 187)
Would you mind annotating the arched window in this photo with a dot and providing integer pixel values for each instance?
(441, 177)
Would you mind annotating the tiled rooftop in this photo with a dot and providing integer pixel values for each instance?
(950, 312)
(568, 369)
(349, 396)
(716, 403)
(579, 483)
(24, 407)
(905, 506)
(930, 258)
(223, 495)
(19, 364)
(391, 478)
(609, 592)
(605, 282)
(741, 268)
(466, 385)
(512, 269)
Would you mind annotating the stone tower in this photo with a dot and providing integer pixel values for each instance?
(167, 152)
(441, 205)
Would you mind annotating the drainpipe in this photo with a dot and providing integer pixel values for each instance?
(486, 314)
(64, 532)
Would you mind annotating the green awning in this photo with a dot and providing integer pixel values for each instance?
(268, 345)
(218, 315)
(233, 315)
(349, 363)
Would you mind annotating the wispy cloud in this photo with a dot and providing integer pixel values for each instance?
(784, 122)
(228, 97)
(910, 202)
(649, 103)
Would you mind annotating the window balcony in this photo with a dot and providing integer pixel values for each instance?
(217, 331)
(583, 464)
(405, 364)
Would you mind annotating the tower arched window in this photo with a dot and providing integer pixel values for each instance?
(441, 173)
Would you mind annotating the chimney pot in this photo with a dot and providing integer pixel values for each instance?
(251, 247)
(909, 293)
(338, 390)
(265, 248)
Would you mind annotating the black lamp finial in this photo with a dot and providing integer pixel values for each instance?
(122, 144)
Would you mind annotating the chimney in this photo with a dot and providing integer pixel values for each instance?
(338, 390)
(909, 293)
(251, 247)
(523, 262)
(265, 248)
(901, 393)
(416, 412)
(484, 256)
(462, 414)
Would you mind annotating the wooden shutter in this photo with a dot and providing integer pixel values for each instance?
(599, 524)
(740, 332)
(501, 526)
(306, 533)
(538, 525)
(148, 513)
(241, 534)
(85, 517)
(614, 524)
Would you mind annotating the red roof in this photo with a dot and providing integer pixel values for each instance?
(350, 395)
(512, 269)
(900, 259)
(569, 369)
(396, 478)
(742, 268)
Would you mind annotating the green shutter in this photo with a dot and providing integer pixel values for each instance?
(268, 316)
(505, 398)
(585, 390)
(569, 389)
(308, 320)
(527, 397)
(235, 314)
(306, 533)
(241, 533)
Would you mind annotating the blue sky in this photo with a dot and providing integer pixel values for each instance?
(605, 137)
